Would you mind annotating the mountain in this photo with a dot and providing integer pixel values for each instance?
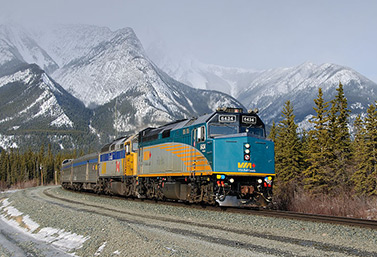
(272, 88)
(122, 91)
(34, 108)
(18, 46)
(268, 90)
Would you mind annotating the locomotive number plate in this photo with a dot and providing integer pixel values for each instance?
(249, 119)
(227, 118)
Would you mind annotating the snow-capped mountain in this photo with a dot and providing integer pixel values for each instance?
(268, 90)
(32, 103)
(18, 46)
(109, 72)
(272, 88)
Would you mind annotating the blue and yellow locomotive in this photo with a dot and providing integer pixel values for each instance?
(222, 157)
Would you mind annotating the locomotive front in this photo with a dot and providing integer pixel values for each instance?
(243, 159)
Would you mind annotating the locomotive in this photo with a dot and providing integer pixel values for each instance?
(219, 158)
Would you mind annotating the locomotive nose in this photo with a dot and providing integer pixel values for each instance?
(244, 155)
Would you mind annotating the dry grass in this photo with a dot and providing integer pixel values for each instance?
(19, 185)
(343, 204)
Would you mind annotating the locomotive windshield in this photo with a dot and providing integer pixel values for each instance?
(216, 129)
(228, 124)
(255, 131)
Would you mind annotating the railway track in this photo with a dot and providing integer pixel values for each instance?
(371, 224)
(215, 233)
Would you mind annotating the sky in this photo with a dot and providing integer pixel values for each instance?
(251, 34)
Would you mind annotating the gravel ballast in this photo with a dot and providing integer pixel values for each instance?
(104, 226)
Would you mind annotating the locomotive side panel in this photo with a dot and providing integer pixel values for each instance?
(172, 159)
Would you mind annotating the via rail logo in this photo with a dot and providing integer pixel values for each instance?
(246, 166)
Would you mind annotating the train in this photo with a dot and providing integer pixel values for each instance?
(222, 158)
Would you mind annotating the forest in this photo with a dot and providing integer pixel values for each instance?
(325, 170)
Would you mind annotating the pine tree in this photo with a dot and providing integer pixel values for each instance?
(340, 140)
(365, 178)
(317, 174)
(289, 159)
(359, 149)
(4, 163)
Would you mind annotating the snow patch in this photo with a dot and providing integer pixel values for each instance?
(357, 106)
(7, 142)
(100, 249)
(60, 238)
(62, 120)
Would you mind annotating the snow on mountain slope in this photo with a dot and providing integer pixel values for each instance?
(269, 90)
(28, 96)
(196, 74)
(66, 43)
(17, 44)
(119, 66)
(300, 85)
(32, 103)
(110, 73)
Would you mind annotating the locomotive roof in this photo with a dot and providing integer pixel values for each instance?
(177, 125)
(117, 143)
(150, 132)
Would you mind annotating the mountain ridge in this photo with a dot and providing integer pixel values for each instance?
(113, 76)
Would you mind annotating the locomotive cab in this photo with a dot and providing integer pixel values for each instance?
(242, 158)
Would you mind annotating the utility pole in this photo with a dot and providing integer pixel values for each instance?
(41, 168)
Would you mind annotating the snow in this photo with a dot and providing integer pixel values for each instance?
(27, 47)
(7, 141)
(62, 120)
(26, 76)
(64, 240)
(100, 249)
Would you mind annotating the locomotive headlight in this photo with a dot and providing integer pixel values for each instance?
(260, 181)
(231, 180)
(247, 151)
(247, 146)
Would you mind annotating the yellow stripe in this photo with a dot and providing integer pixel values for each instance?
(184, 151)
(198, 163)
(244, 174)
(177, 148)
(207, 167)
(157, 146)
(200, 158)
(188, 154)
(177, 174)
(205, 173)
(164, 146)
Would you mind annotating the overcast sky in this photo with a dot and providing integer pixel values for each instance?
(236, 33)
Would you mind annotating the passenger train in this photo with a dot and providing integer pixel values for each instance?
(219, 158)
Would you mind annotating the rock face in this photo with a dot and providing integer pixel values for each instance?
(112, 86)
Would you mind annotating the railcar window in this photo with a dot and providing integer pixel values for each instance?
(127, 148)
(200, 134)
(135, 146)
(222, 129)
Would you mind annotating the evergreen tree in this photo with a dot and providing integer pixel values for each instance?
(340, 140)
(359, 150)
(365, 178)
(4, 163)
(289, 159)
(317, 175)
